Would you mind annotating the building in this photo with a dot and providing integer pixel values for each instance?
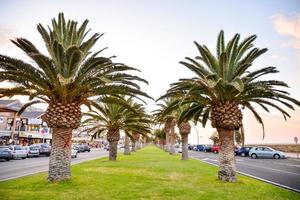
(28, 128)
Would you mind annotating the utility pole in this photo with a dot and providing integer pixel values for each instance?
(197, 133)
(297, 149)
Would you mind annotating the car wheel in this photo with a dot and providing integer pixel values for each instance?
(276, 156)
(48, 154)
(23, 158)
(243, 154)
(7, 159)
(253, 156)
(76, 156)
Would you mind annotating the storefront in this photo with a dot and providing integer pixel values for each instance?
(28, 138)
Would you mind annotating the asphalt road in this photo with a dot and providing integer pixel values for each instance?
(282, 172)
(18, 168)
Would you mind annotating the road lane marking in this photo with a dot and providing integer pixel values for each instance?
(278, 170)
(255, 177)
(43, 170)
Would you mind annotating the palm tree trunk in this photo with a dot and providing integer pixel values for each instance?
(172, 140)
(113, 137)
(227, 169)
(60, 159)
(132, 145)
(126, 146)
(185, 153)
(138, 145)
(166, 146)
(113, 150)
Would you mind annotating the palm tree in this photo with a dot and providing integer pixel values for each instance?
(160, 137)
(169, 121)
(65, 79)
(111, 118)
(173, 109)
(223, 85)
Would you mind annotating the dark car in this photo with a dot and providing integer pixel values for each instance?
(44, 148)
(106, 147)
(243, 151)
(200, 147)
(5, 153)
(86, 148)
(78, 147)
(208, 148)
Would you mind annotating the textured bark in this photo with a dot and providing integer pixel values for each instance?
(172, 138)
(60, 158)
(166, 146)
(63, 115)
(127, 145)
(113, 137)
(185, 152)
(138, 145)
(184, 129)
(113, 150)
(133, 146)
(227, 169)
(227, 116)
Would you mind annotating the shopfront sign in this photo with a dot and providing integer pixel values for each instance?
(34, 121)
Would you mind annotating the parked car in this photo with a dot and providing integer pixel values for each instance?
(5, 153)
(215, 148)
(236, 149)
(200, 147)
(76, 147)
(243, 151)
(106, 147)
(208, 148)
(265, 152)
(18, 151)
(190, 147)
(32, 151)
(80, 147)
(74, 152)
(43, 148)
(86, 148)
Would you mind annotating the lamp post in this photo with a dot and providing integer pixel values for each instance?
(297, 149)
(197, 133)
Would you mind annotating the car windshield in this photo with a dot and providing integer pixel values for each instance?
(45, 145)
(269, 149)
(33, 148)
(19, 148)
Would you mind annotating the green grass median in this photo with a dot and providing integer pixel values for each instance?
(149, 173)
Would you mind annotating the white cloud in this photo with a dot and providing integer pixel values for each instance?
(288, 26)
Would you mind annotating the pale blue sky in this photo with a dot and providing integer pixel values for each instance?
(155, 35)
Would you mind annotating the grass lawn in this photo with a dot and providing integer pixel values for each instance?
(148, 174)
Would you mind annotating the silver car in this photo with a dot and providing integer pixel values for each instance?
(265, 152)
(18, 151)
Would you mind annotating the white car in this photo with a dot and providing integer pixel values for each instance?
(18, 152)
(74, 152)
(32, 151)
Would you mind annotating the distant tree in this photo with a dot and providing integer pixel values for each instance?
(215, 137)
